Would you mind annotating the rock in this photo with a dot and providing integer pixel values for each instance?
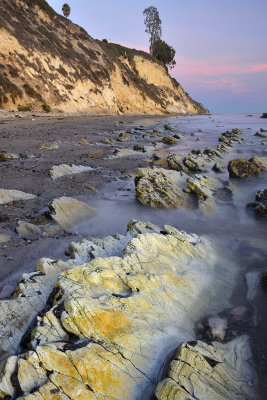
(238, 314)
(26, 229)
(219, 167)
(123, 138)
(241, 168)
(7, 196)
(260, 204)
(169, 140)
(4, 238)
(157, 131)
(98, 154)
(260, 162)
(67, 212)
(157, 187)
(160, 188)
(177, 136)
(84, 141)
(264, 115)
(263, 283)
(53, 146)
(263, 130)
(175, 161)
(218, 328)
(8, 156)
(139, 147)
(224, 194)
(213, 371)
(112, 321)
(196, 163)
(260, 134)
(61, 170)
(261, 210)
(169, 128)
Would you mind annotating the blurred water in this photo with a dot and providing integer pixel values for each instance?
(232, 225)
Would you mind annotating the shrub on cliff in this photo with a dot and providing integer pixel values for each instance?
(164, 53)
(66, 10)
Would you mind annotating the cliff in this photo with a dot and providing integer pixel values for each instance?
(46, 59)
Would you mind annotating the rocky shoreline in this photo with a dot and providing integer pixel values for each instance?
(102, 318)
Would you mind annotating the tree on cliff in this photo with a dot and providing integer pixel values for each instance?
(66, 10)
(164, 53)
(153, 25)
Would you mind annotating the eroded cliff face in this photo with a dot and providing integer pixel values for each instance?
(46, 59)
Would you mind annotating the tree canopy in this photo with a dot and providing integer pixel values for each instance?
(66, 10)
(164, 53)
(153, 25)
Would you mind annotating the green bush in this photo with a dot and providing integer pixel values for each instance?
(46, 108)
(24, 108)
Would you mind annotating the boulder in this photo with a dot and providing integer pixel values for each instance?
(169, 128)
(260, 162)
(7, 196)
(61, 170)
(260, 134)
(110, 323)
(264, 115)
(169, 140)
(241, 168)
(160, 188)
(213, 371)
(67, 212)
(157, 187)
(26, 229)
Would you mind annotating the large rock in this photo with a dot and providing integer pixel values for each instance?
(241, 168)
(260, 162)
(213, 371)
(61, 170)
(67, 212)
(157, 187)
(7, 196)
(113, 321)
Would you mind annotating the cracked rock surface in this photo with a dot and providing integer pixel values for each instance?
(109, 323)
(213, 371)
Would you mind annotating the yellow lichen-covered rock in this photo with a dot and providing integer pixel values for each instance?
(210, 372)
(114, 319)
(157, 187)
(160, 188)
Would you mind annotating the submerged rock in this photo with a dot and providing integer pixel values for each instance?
(67, 212)
(7, 196)
(111, 322)
(241, 168)
(213, 371)
(26, 229)
(58, 171)
(260, 204)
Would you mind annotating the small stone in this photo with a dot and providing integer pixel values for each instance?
(169, 128)
(169, 140)
(217, 327)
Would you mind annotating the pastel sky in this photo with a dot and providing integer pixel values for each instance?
(221, 45)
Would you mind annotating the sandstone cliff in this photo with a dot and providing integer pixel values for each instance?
(46, 59)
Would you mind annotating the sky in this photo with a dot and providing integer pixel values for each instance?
(221, 45)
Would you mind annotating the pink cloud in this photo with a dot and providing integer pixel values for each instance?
(192, 67)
